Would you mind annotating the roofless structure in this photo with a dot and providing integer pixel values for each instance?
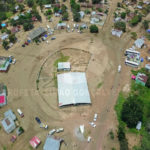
(73, 89)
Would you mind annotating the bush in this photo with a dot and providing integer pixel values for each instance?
(48, 12)
(135, 20)
(30, 3)
(93, 29)
(87, 11)
(133, 35)
(145, 24)
(96, 1)
(132, 111)
(123, 15)
(76, 16)
(5, 44)
(120, 25)
(56, 9)
(12, 38)
(100, 9)
(27, 26)
(65, 16)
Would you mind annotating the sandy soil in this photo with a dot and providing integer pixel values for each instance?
(99, 59)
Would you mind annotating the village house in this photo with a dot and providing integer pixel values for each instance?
(3, 95)
(141, 78)
(4, 63)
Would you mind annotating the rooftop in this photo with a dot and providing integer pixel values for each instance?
(73, 89)
(52, 143)
(141, 77)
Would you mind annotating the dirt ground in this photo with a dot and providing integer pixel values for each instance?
(97, 55)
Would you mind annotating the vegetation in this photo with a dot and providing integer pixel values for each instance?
(76, 17)
(27, 26)
(12, 38)
(123, 15)
(99, 85)
(96, 1)
(133, 35)
(132, 111)
(120, 25)
(5, 44)
(111, 134)
(61, 59)
(135, 20)
(93, 29)
(30, 3)
(145, 24)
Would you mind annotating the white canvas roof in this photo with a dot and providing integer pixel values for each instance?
(63, 65)
(73, 89)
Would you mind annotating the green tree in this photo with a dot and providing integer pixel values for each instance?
(56, 9)
(12, 38)
(21, 7)
(135, 20)
(63, 9)
(133, 35)
(96, 1)
(48, 12)
(120, 25)
(76, 17)
(132, 111)
(146, 24)
(27, 26)
(65, 16)
(123, 15)
(93, 29)
(5, 44)
(30, 3)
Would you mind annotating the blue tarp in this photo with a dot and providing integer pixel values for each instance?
(45, 35)
(148, 30)
(3, 25)
(142, 59)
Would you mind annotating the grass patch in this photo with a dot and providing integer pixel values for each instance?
(99, 85)
(55, 79)
(9, 14)
(61, 59)
(118, 107)
(4, 148)
(87, 133)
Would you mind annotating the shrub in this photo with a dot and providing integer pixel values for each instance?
(133, 35)
(120, 25)
(132, 111)
(123, 15)
(76, 16)
(93, 29)
(145, 24)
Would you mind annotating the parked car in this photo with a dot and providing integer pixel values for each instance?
(59, 130)
(38, 120)
(95, 117)
(26, 43)
(23, 45)
(51, 132)
(53, 38)
(20, 113)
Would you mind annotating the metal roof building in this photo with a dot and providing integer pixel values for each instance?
(64, 66)
(52, 143)
(36, 33)
(73, 89)
(8, 124)
(10, 113)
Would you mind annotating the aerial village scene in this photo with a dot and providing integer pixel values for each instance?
(75, 74)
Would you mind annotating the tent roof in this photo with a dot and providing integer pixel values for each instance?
(37, 32)
(73, 89)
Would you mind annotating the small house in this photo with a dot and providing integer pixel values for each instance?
(82, 14)
(15, 30)
(116, 32)
(10, 114)
(4, 64)
(47, 6)
(35, 142)
(61, 25)
(8, 124)
(139, 43)
(64, 66)
(141, 78)
(139, 125)
(4, 36)
(16, 8)
(16, 18)
(3, 95)
(52, 143)
(147, 67)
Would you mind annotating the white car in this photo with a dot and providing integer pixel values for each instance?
(88, 139)
(51, 132)
(59, 130)
(95, 117)
(92, 124)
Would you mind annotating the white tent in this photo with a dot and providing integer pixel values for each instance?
(73, 89)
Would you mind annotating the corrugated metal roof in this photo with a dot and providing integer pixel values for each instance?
(63, 65)
(73, 89)
(10, 113)
(37, 32)
(51, 143)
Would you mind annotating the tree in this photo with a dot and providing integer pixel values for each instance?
(63, 8)
(65, 16)
(120, 25)
(21, 7)
(27, 26)
(5, 44)
(56, 9)
(123, 15)
(30, 3)
(146, 24)
(76, 17)
(132, 111)
(12, 38)
(135, 20)
(93, 29)
(133, 35)
(82, 0)
(96, 1)
(48, 12)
